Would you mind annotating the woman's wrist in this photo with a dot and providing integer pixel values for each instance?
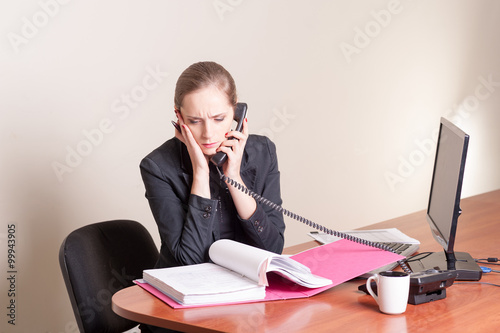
(201, 185)
(245, 204)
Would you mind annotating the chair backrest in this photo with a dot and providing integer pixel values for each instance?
(98, 260)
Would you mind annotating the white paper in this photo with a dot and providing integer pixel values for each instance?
(390, 235)
(203, 283)
(241, 258)
(254, 263)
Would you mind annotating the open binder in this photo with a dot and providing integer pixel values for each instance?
(339, 261)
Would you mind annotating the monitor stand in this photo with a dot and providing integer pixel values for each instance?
(462, 262)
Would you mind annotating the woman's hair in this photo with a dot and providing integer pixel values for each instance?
(201, 75)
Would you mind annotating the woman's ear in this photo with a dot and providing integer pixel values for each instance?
(177, 113)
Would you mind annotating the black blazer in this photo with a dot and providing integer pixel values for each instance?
(188, 224)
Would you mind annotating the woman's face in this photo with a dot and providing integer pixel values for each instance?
(209, 116)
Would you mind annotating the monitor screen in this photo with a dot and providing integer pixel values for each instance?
(443, 209)
(444, 200)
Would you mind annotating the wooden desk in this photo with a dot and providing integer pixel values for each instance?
(466, 308)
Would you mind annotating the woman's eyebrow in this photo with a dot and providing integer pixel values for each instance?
(219, 115)
(212, 117)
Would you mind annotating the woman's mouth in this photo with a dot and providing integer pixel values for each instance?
(211, 145)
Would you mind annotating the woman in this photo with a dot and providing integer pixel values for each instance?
(191, 205)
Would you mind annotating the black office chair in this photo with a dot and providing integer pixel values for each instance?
(98, 260)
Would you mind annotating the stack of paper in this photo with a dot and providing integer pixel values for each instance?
(203, 283)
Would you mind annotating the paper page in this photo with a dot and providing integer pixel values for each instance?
(297, 272)
(390, 235)
(239, 257)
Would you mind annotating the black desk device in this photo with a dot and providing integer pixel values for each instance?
(426, 286)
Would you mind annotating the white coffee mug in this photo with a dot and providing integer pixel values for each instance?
(392, 291)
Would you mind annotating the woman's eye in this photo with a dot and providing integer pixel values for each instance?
(219, 119)
(194, 122)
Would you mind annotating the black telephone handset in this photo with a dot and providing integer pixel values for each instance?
(240, 113)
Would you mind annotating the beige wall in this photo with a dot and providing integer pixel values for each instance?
(351, 92)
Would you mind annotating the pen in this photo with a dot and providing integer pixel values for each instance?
(177, 127)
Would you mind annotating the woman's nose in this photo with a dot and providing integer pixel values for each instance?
(207, 130)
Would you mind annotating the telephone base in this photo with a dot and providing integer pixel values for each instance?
(428, 297)
(425, 286)
(465, 266)
(413, 298)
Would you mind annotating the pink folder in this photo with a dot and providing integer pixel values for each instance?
(339, 261)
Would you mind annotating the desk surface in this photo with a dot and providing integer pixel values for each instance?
(466, 308)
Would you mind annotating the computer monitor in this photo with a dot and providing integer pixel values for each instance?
(444, 209)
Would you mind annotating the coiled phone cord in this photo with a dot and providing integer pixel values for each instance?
(310, 223)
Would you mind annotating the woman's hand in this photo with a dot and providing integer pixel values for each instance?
(234, 149)
(201, 178)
